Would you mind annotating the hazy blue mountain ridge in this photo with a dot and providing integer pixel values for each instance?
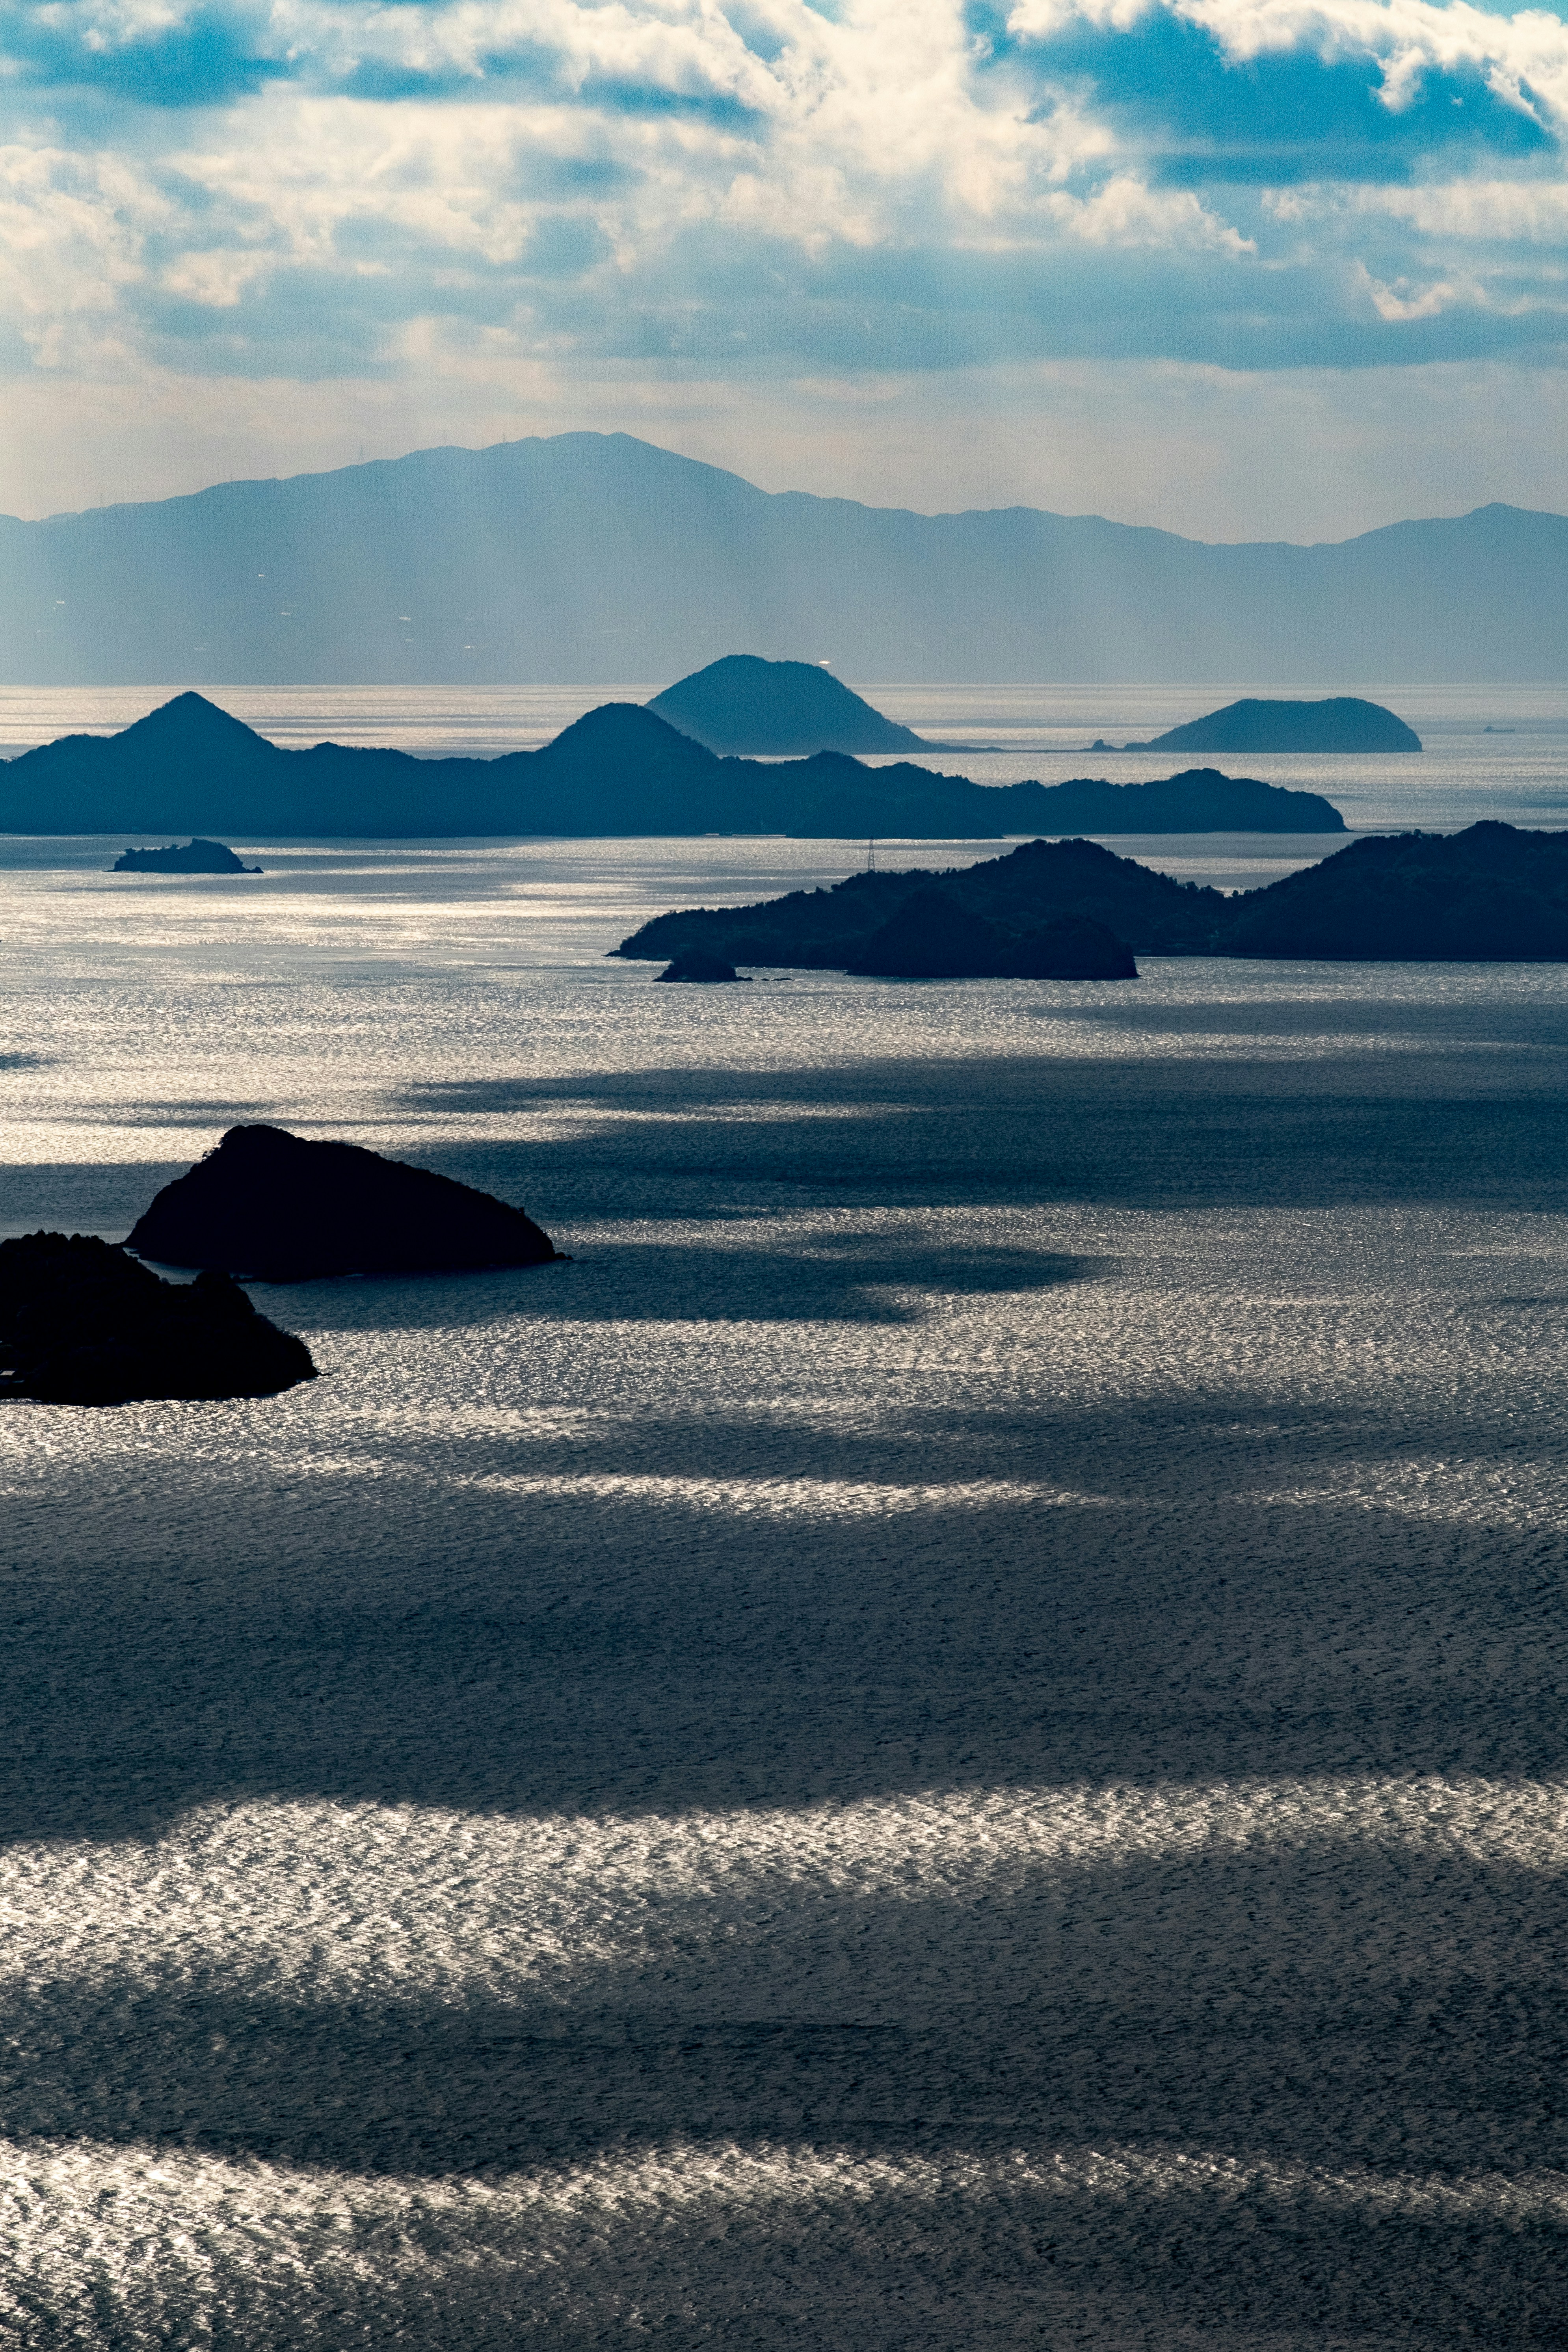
(598, 558)
(189, 767)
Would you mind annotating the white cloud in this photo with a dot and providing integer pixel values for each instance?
(1511, 211)
(1126, 214)
(1403, 301)
(446, 200)
(73, 233)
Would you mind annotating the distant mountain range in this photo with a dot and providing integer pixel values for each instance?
(192, 768)
(597, 558)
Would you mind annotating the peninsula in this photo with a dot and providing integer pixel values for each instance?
(190, 767)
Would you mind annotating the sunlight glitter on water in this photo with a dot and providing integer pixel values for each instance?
(951, 1736)
(116, 2245)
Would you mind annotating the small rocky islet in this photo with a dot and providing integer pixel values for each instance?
(197, 857)
(696, 966)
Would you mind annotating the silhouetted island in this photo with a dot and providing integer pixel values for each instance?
(1490, 894)
(80, 1323)
(189, 767)
(1038, 886)
(1340, 722)
(745, 703)
(695, 965)
(276, 1208)
(1199, 800)
(197, 857)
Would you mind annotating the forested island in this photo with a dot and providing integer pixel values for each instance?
(1492, 893)
(621, 769)
(1340, 722)
(787, 708)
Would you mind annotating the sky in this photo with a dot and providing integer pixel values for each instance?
(1242, 269)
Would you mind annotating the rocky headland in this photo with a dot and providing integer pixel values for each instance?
(278, 1208)
(1493, 894)
(80, 1323)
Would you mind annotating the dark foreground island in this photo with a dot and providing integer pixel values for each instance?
(80, 1323)
(1490, 894)
(274, 1207)
(932, 935)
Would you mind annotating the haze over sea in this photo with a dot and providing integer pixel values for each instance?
(953, 1738)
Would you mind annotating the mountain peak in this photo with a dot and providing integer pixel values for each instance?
(624, 730)
(190, 722)
(742, 703)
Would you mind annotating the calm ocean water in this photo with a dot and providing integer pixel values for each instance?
(951, 1737)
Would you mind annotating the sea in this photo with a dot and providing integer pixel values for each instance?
(949, 1737)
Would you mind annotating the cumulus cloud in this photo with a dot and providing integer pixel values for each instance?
(747, 188)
